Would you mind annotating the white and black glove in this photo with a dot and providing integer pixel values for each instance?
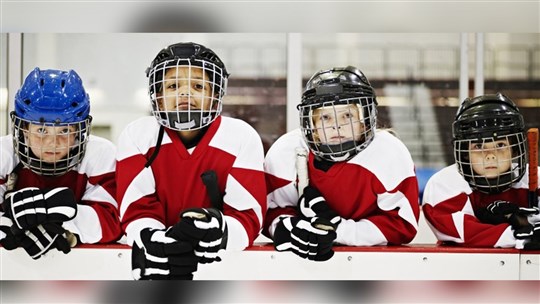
(7, 238)
(500, 212)
(533, 241)
(302, 238)
(159, 257)
(38, 240)
(205, 229)
(312, 204)
(31, 206)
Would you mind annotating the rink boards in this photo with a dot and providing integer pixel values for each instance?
(262, 262)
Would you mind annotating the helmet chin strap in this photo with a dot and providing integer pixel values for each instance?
(185, 121)
(339, 152)
(341, 158)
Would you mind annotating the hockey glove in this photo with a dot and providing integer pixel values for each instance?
(500, 212)
(30, 207)
(527, 231)
(7, 239)
(302, 238)
(205, 229)
(38, 240)
(158, 257)
(533, 242)
(312, 204)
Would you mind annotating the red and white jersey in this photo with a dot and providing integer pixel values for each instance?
(154, 197)
(449, 204)
(92, 181)
(375, 192)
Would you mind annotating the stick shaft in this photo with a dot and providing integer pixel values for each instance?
(301, 170)
(532, 138)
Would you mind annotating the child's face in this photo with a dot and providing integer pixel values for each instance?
(490, 159)
(51, 144)
(184, 88)
(337, 124)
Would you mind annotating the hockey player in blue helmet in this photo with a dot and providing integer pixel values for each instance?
(55, 193)
(51, 121)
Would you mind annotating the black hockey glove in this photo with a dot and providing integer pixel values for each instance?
(533, 242)
(312, 204)
(205, 229)
(527, 231)
(7, 238)
(500, 212)
(38, 240)
(30, 206)
(159, 257)
(302, 238)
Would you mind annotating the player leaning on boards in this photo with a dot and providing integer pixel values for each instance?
(190, 181)
(56, 180)
(362, 187)
(482, 199)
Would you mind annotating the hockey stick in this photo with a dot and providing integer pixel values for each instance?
(209, 179)
(12, 178)
(532, 138)
(301, 170)
(303, 179)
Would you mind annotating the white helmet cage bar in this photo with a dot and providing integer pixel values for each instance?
(492, 156)
(349, 129)
(40, 146)
(196, 105)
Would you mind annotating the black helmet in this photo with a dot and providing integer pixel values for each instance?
(340, 90)
(187, 54)
(483, 120)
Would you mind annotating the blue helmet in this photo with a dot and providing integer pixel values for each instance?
(51, 121)
(52, 96)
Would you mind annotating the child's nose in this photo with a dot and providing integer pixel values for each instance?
(490, 155)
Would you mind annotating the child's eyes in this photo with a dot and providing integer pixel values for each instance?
(325, 117)
(477, 146)
(348, 115)
(499, 145)
(175, 86)
(41, 131)
(64, 131)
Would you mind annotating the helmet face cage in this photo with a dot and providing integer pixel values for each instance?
(51, 121)
(50, 149)
(337, 129)
(492, 164)
(187, 82)
(490, 148)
